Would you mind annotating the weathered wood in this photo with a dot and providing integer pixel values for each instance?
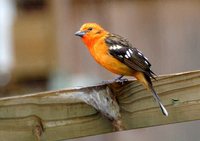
(62, 114)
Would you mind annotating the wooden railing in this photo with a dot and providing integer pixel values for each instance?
(78, 112)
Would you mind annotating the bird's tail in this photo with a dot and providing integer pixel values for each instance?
(156, 97)
(146, 81)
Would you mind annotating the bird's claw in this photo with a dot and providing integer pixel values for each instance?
(122, 81)
(117, 80)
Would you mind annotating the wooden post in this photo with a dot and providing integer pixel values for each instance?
(73, 113)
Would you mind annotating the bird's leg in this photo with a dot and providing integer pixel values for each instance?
(120, 80)
(119, 77)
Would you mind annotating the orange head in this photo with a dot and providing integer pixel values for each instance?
(90, 33)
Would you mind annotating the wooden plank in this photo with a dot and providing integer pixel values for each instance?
(180, 93)
(64, 114)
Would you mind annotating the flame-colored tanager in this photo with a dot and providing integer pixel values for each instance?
(117, 55)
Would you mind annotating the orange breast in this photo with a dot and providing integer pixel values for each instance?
(100, 53)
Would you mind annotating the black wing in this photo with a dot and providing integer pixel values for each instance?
(122, 50)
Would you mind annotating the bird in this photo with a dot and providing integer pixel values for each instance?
(116, 54)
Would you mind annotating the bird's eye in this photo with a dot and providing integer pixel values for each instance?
(90, 28)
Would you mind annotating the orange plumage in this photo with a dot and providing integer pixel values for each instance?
(117, 55)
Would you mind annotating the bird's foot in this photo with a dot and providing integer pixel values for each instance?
(120, 80)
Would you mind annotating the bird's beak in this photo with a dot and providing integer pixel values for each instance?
(80, 33)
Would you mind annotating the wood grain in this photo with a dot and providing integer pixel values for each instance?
(58, 115)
